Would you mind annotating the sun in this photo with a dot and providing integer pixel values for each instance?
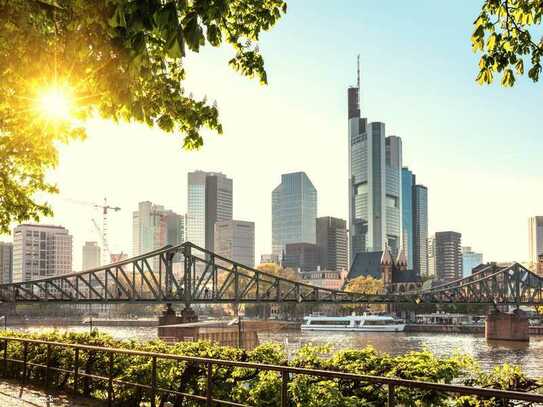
(55, 102)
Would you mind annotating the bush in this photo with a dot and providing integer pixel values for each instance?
(250, 386)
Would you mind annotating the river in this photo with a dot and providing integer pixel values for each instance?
(489, 354)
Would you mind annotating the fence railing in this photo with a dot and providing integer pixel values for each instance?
(154, 390)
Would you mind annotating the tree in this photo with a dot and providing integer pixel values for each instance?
(365, 285)
(63, 61)
(504, 33)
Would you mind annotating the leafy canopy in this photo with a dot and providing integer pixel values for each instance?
(505, 33)
(119, 59)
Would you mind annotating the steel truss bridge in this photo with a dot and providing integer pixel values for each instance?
(189, 274)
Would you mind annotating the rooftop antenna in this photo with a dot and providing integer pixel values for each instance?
(358, 71)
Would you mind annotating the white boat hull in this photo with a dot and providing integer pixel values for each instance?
(369, 328)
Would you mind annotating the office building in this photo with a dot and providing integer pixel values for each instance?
(332, 243)
(154, 227)
(41, 251)
(535, 238)
(448, 255)
(375, 162)
(91, 256)
(470, 260)
(431, 257)
(420, 230)
(333, 280)
(301, 256)
(294, 211)
(209, 200)
(415, 222)
(6, 262)
(235, 240)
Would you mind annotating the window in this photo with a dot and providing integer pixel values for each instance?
(330, 323)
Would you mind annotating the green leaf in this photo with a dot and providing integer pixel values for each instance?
(508, 78)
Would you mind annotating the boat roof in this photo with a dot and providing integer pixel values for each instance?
(349, 317)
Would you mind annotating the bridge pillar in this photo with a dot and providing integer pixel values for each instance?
(177, 333)
(507, 326)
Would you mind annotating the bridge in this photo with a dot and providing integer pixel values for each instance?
(189, 274)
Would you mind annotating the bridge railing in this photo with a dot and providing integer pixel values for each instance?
(153, 390)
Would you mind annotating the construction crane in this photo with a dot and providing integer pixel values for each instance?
(105, 208)
(102, 232)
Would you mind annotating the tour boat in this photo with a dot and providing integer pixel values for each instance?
(353, 323)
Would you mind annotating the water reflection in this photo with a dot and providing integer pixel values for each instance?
(488, 354)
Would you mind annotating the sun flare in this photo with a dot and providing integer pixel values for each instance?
(55, 103)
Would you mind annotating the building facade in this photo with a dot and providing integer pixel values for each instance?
(269, 258)
(448, 255)
(41, 251)
(235, 240)
(91, 256)
(415, 222)
(6, 262)
(375, 196)
(470, 260)
(301, 256)
(294, 211)
(209, 200)
(431, 257)
(535, 238)
(333, 280)
(420, 230)
(332, 243)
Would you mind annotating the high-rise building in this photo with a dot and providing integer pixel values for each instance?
(235, 240)
(535, 238)
(332, 243)
(209, 200)
(41, 251)
(408, 184)
(431, 244)
(6, 262)
(375, 163)
(91, 256)
(420, 230)
(301, 256)
(448, 255)
(294, 211)
(470, 260)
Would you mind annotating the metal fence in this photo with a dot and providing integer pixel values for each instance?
(285, 372)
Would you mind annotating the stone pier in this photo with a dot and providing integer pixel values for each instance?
(507, 326)
(177, 333)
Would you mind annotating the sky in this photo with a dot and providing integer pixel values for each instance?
(477, 149)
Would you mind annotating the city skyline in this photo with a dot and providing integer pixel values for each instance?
(459, 151)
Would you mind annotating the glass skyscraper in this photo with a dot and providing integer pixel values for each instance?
(375, 196)
(470, 259)
(210, 200)
(294, 211)
(415, 222)
(535, 238)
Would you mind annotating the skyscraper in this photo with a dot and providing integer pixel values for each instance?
(375, 163)
(408, 184)
(332, 243)
(235, 240)
(420, 230)
(448, 255)
(294, 211)
(6, 262)
(535, 238)
(41, 251)
(301, 256)
(154, 227)
(91, 255)
(210, 200)
(470, 259)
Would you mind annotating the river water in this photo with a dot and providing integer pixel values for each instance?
(489, 354)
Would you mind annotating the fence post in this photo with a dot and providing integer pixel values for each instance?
(25, 361)
(209, 384)
(76, 369)
(391, 398)
(48, 361)
(5, 372)
(284, 388)
(153, 381)
(110, 381)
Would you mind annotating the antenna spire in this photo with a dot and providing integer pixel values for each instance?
(358, 71)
